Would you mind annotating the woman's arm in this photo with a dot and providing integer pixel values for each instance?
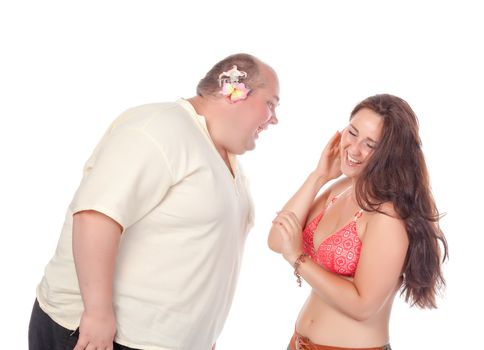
(379, 268)
(300, 204)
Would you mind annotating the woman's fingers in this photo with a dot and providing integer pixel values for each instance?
(289, 221)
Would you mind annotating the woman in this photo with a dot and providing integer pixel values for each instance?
(370, 234)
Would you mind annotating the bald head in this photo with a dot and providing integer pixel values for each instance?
(256, 70)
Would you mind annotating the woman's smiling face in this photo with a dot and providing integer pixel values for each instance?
(359, 140)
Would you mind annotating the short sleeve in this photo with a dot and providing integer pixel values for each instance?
(125, 178)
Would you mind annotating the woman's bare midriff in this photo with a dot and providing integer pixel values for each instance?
(325, 325)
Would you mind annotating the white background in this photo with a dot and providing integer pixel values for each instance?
(69, 68)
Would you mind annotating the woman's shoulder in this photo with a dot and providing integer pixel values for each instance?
(385, 219)
(386, 209)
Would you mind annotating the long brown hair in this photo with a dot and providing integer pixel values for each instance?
(397, 173)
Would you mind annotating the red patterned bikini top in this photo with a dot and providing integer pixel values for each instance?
(340, 251)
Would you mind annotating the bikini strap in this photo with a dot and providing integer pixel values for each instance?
(335, 197)
(358, 214)
(331, 202)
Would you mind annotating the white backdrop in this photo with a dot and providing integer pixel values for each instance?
(68, 68)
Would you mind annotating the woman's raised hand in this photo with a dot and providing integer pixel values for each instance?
(329, 165)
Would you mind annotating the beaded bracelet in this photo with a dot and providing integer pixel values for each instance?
(301, 258)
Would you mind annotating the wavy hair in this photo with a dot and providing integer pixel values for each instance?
(397, 173)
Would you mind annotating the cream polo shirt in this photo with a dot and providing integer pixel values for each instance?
(185, 219)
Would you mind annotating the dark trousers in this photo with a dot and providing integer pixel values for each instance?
(45, 334)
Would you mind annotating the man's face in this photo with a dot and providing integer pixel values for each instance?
(257, 111)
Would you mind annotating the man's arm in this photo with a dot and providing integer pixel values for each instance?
(95, 245)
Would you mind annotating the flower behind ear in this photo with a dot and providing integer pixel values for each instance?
(235, 91)
(231, 85)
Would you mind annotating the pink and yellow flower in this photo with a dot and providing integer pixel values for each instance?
(235, 91)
